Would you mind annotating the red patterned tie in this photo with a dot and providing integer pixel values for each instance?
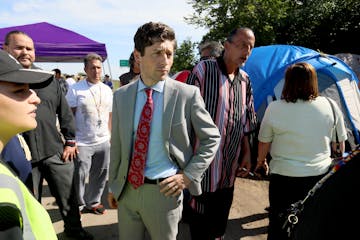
(136, 171)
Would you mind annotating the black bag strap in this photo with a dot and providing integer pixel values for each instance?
(296, 208)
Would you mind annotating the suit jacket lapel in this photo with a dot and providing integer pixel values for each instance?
(170, 98)
(128, 108)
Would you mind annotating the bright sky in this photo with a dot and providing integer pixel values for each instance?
(113, 22)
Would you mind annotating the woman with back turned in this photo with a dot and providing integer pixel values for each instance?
(298, 130)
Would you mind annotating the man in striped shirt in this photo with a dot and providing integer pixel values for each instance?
(228, 97)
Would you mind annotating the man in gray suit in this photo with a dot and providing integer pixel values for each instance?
(183, 141)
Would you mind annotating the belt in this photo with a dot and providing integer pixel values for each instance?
(153, 181)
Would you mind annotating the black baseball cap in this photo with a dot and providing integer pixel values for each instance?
(12, 71)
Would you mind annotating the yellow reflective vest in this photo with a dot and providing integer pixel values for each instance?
(18, 205)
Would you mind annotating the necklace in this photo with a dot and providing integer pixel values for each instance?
(97, 104)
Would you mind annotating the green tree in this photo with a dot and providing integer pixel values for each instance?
(328, 25)
(184, 58)
(222, 16)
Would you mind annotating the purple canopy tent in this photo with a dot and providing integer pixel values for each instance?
(55, 44)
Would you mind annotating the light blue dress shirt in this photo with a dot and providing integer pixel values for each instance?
(158, 163)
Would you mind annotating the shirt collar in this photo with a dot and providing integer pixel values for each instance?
(222, 66)
(158, 87)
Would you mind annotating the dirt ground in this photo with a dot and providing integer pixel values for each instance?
(247, 221)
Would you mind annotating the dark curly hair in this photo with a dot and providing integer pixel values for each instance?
(152, 32)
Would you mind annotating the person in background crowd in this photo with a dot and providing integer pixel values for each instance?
(171, 148)
(181, 76)
(52, 158)
(80, 77)
(228, 97)
(299, 128)
(108, 81)
(91, 103)
(70, 80)
(63, 84)
(21, 215)
(210, 49)
(133, 72)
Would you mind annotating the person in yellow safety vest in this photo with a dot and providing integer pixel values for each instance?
(21, 215)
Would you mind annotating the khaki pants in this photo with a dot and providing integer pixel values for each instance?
(145, 208)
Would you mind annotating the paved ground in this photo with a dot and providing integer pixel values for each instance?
(247, 220)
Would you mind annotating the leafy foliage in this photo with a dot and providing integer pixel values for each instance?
(184, 58)
(328, 25)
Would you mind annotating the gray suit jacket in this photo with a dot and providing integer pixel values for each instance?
(184, 115)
